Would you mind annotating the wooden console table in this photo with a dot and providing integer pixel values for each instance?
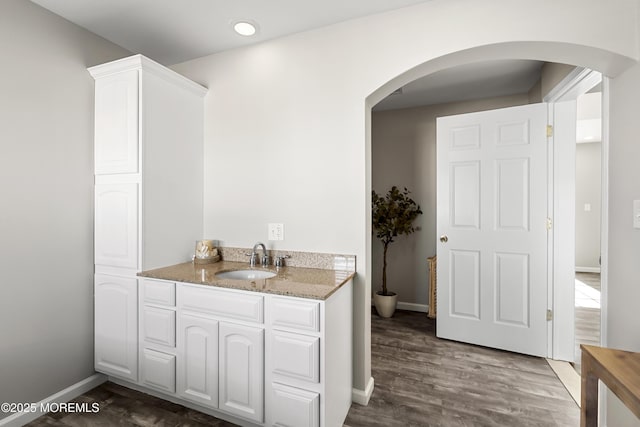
(618, 370)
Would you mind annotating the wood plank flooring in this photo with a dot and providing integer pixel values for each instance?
(420, 381)
(424, 381)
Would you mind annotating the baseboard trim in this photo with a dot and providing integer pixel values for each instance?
(587, 269)
(361, 397)
(410, 306)
(420, 308)
(69, 393)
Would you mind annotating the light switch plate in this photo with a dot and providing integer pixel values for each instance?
(636, 214)
(276, 231)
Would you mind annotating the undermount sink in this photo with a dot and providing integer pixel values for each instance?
(245, 274)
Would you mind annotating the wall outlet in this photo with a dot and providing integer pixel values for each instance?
(276, 231)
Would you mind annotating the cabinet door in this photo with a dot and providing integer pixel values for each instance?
(116, 225)
(242, 371)
(293, 407)
(197, 346)
(116, 326)
(116, 123)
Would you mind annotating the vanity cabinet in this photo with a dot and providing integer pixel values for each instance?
(148, 147)
(221, 350)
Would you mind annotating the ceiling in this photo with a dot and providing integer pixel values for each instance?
(173, 31)
(170, 32)
(466, 82)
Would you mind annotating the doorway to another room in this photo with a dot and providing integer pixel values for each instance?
(588, 220)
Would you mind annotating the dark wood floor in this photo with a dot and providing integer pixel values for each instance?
(424, 381)
(420, 381)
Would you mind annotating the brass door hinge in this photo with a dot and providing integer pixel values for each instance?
(549, 131)
(549, 314)
(549, 224)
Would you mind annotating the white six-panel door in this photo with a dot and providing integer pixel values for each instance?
(492, 224)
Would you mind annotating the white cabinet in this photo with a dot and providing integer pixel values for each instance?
(221, 360)
(116, 326)
(157, 335)
(198, 359)
(116, 225)
(116, 123)
(253, 358)
(308, 363)
(242, 370)
(148, 191)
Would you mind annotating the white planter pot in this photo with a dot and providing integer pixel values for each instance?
(385, 305)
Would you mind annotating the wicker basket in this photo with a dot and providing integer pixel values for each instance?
(433, 288)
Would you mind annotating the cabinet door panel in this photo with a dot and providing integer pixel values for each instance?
(116, 225)
(159, 370)
(159, 326)
(116, 124)
(288, 313)
(293, 407)
(198, 360)
(159, 292)
(242, 370)
(296, 356)
(116, 326)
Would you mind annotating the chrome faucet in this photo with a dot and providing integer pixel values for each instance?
(253, 260)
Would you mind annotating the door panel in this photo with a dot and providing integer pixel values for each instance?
(116, 225)
(198, 359)
(492, 208)
(242, 370)
(465, 284)
(116, 326)
(465, 192)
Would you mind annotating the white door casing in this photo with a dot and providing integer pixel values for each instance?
(492, 208)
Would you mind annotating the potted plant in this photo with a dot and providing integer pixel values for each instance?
(392, 215)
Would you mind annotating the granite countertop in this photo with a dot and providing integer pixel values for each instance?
(312, 283)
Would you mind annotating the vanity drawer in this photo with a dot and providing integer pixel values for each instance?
(222, 303)
(157, 292)
(296, 356)
(159, 370)
(290, 313)
(294, 407)
(159, 326)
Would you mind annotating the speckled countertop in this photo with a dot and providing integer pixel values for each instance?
(313, 283)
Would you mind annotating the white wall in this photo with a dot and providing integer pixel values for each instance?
(46, 200)
(403, 144)
(286, 120)
(588, 191)
(624, 241)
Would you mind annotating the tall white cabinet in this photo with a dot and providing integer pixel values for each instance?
(148, 193)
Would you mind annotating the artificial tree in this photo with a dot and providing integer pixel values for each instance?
(392, 215)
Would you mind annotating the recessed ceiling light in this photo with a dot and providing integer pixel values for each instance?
(244, 28)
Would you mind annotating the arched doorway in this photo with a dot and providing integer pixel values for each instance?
(597, 59)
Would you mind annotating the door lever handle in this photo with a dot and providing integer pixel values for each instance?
(444, 238)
